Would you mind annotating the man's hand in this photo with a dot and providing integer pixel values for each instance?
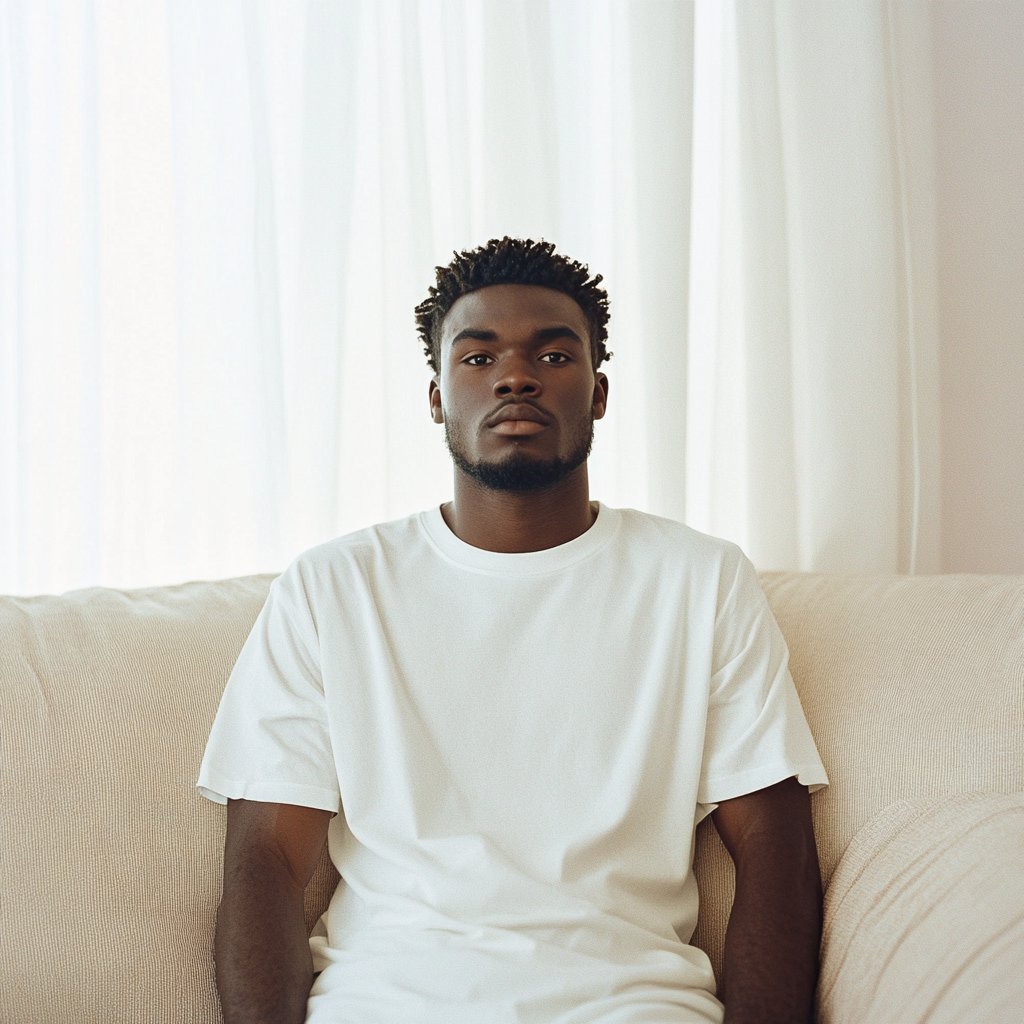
(264, 968)
(774, 934)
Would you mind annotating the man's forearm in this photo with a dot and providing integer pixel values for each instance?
(264, 967)
(773, 939)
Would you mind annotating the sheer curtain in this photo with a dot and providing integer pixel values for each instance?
(813, 365)
(215, 220)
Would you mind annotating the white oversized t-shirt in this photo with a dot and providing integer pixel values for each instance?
(519, 747)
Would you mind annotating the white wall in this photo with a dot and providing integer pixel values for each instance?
(979, 133)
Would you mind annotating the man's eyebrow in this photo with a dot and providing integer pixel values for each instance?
(476, 333)
(544, 334)
(562, 331)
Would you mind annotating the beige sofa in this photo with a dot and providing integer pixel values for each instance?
(914, 689)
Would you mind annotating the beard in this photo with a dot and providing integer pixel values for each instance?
(519, 471)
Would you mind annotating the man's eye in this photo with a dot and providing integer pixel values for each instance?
(555, 357)
(479, 360)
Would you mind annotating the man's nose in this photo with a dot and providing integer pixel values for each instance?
(516, 377)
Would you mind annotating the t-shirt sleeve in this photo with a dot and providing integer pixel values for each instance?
(270, 740)
(757, 734)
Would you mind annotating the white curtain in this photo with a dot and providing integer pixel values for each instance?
(813, 367)
(216, 218)
(219, 216)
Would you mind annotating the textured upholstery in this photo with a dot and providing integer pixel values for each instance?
(913, 687)
(111, 863)
(926, 916)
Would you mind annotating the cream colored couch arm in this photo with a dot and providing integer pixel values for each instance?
(924, 919)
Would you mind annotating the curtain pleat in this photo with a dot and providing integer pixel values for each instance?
(811, 436)
(215, 221)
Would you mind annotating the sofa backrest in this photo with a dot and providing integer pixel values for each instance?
(111, 861)
(913, 686)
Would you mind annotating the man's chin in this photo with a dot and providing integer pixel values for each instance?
(519, 472)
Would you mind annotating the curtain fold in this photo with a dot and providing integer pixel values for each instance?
(215, 221)
(813, 414)
(209, 339)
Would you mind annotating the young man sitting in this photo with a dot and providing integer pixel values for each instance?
(506, 716)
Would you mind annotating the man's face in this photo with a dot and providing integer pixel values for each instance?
(517, 390)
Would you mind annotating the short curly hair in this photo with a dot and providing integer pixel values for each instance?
(512, 261)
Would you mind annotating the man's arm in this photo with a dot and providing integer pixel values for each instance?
(774, 934)
(264, 967)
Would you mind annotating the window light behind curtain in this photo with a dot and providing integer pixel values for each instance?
(215, 220)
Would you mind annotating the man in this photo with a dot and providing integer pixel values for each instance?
(507, 716)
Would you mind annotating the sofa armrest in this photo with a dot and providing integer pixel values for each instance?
(924, 918)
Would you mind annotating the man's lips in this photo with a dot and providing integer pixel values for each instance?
(518, 418)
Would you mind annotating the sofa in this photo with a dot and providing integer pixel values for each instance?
(913, 688)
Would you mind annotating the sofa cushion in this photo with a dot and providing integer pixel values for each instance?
(924, 920)
(913, 687)
(111, 861)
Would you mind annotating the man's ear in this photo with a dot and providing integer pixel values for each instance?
(436, 412)
(600, 395)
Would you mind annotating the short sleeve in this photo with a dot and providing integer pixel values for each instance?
(756, 731)
(270, 740)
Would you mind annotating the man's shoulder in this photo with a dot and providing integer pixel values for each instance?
(669, 537)
(359, 551)
(393, 533)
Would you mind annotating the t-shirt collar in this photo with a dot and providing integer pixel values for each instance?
(526, 563)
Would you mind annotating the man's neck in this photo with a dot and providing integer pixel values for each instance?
(518, 521)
